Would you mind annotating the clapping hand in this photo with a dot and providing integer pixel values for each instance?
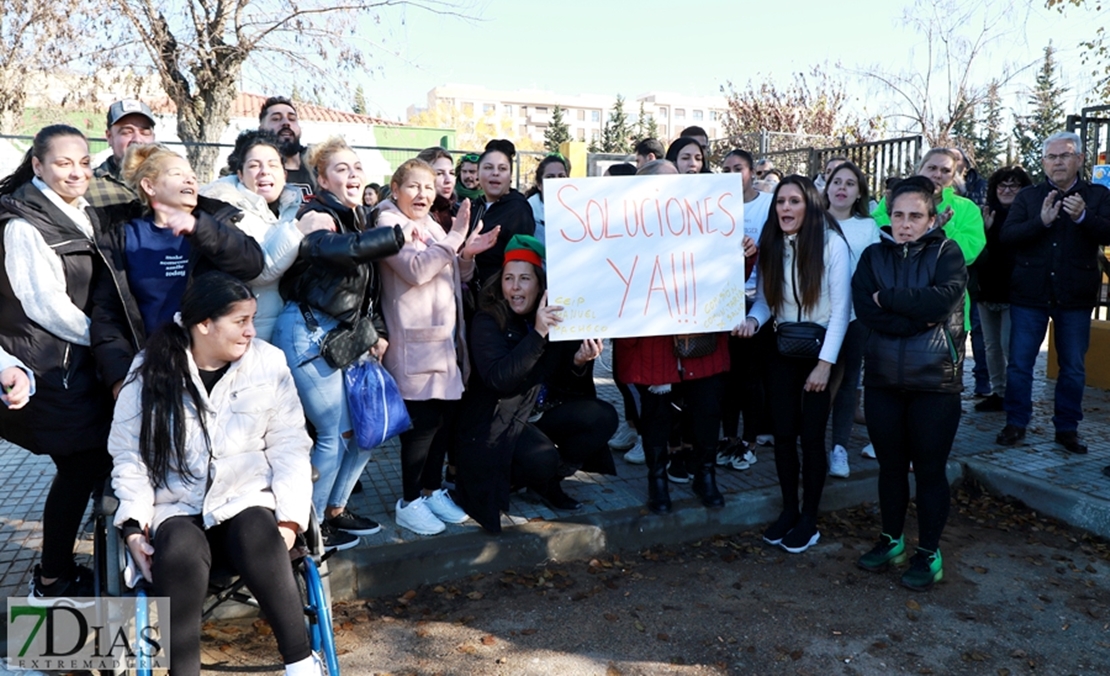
(1050, 208)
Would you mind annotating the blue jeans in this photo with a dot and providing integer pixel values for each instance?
(324, 397)
(980, 370)
(1072, 331)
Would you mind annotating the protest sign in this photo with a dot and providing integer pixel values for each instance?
(645, 255)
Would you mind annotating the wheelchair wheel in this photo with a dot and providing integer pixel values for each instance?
(318, 616)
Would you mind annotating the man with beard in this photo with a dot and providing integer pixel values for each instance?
(279, 116)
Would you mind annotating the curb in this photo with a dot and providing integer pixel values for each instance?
(1075, 508)
(382, 570)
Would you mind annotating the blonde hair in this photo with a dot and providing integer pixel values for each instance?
(403, 171)
(144, 161)
(319, 154)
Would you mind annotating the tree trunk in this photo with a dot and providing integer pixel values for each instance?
(201, 120)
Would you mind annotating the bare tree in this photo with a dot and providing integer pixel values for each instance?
(199, 48)
(941, 94)
(1096, 50)
(816, 104)
(33, 38)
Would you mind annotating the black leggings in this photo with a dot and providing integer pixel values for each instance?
(916, 427)
(701, 415)
(421, 457)
(573, 434)
(794, 413)
(250, 542)
(744, 391)
(78, 474)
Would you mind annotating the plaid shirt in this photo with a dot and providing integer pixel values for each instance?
(106, 188)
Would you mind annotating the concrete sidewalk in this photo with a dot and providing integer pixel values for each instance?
(1041, 474)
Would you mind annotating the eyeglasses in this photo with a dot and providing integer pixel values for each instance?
(1008, 187)
(1061, 156)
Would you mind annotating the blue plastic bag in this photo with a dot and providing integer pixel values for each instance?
(377, 411)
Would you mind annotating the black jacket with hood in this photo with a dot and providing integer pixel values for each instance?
(513, 213)
(916, 331)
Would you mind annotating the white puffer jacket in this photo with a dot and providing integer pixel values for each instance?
(259, 450)
(277, 235)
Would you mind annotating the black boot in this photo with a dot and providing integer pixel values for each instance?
(659, 497)
(705, 483)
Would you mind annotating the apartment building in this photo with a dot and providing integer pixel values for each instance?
(530, 110)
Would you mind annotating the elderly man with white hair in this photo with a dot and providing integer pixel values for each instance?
(1055, 229)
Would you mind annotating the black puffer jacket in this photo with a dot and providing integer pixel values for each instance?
(334, 271)
(1057, 265)
(916, 331)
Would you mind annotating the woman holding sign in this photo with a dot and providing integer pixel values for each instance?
(531, 416)
(805, 282)
(667, 370)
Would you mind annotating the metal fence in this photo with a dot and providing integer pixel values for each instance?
(1093, 127)
(524, 169)
(878, 159)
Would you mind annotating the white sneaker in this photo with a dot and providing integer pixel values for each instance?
(744, 460)
(868, 451)
(624, 438)
(444, 507)
(309, 666)
(765, 440)
(417, 517)
(636, 455)
(838, 462)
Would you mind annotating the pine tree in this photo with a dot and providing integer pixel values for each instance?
(360, 101)
(557, 133)
(990, 143)
(1047, 116)
(616, 133)
(645, 125)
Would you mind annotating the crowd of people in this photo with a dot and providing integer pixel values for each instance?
(191, 341)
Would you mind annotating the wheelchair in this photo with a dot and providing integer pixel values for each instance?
(307, 558)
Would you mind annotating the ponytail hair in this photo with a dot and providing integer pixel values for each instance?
(167, 379)
(144, 160)
(39, 147)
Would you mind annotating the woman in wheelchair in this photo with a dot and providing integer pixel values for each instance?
(211, 465)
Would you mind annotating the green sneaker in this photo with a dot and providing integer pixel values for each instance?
(889, 551)
(926, 568)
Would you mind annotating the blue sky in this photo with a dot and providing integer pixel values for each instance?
(690, 47)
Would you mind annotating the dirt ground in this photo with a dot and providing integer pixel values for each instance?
(1021, 595)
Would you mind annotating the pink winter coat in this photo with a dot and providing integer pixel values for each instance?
(422, 304)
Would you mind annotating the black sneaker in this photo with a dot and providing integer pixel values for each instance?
(555, 498)
(778, 530)
(1010, 435)
(354, 524)
(801, 537)
(336, 539)
(78, 584)
(992, 404)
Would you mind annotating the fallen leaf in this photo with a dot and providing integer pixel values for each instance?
(467, 648)
(913, 605)
(639, 626)
(662, 637)
(611, 617)
(409, 595)
(488, 640)
(527, 632)
(474, 595)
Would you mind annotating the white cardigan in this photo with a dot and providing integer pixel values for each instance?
(259, 448)
(833, 304)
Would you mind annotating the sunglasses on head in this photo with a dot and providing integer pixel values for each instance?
(471, 158)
